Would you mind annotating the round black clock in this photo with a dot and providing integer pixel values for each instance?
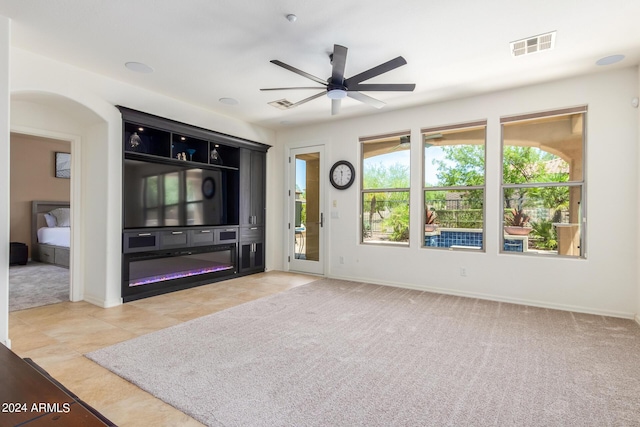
(342, 175)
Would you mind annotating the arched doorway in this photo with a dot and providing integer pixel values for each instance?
(95, 260)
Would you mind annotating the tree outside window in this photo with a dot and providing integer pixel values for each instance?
(385, 189)
(454, 180)
(542, 181)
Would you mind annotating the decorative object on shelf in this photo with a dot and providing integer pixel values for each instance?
(135, 140)
(516, 223)
(215, 155)
(63, 165)
(342, 175)
(430, 223)
(191, 151)
(208, 188)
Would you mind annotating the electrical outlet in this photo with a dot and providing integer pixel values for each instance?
(463, 272)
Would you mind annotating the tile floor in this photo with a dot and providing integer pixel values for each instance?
(57, 336)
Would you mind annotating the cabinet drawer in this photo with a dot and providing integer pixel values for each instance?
(251, 233)
(61, 256)
(173, 239)
(226, 235)
(140, 242)
(47, 254)
(203, 237)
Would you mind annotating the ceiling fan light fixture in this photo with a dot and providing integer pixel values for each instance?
(337, 94)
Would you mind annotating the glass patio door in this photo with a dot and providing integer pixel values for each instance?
(306, 214)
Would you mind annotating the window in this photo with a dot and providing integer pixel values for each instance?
(454, 182)
(543, 183)
(385, 189)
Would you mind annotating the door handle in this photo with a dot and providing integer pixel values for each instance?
(321, 220)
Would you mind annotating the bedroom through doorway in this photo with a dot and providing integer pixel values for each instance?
(40, 224)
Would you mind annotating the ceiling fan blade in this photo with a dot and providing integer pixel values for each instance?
(317, 95)
(293, 88)
(390, 87)
(335, 106)
(339, 61)
(376, 71)
(300, 72)
(366, 99)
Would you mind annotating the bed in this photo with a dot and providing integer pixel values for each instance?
(50, 241)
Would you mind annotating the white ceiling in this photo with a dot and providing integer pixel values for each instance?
(203, 50)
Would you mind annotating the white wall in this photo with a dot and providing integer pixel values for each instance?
(606, 282)
(5, 38)
(56, 98)
(638, 209)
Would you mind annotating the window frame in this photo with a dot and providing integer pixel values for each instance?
(424, 189)
(369, 139)
(581, 184)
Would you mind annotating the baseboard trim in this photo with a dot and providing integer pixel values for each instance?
(497, 298)
(102, 303)
(637, 319)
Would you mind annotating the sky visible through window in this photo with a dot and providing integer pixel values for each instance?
(301, 175)
(435, 153)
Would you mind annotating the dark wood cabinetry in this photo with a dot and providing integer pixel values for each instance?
(252, 187)
(252, 210)
(252, 249)
(191, 196)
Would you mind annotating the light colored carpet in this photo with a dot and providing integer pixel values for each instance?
(37, 284)
(336, 353)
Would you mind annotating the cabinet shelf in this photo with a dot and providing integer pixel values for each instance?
(168, 160)
(180, 146)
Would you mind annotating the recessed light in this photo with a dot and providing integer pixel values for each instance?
(228, 101)
(141, 129)
(608, 60)
(139, 67)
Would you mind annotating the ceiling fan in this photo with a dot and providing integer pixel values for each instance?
(337, 87)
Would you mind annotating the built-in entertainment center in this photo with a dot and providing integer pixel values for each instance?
(193, 205)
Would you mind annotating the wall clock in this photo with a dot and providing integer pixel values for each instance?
(342, 175)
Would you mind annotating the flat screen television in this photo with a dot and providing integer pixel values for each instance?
(157, 194)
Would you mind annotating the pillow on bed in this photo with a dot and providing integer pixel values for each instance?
(63, 217)
(50, 219)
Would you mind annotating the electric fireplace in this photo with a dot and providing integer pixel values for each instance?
(151, 273)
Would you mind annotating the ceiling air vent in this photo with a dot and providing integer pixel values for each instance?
(281, 104)
(533, 44)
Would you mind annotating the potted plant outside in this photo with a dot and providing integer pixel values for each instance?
(516, 223)
(431, 222)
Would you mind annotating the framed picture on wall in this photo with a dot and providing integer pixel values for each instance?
(63, 165)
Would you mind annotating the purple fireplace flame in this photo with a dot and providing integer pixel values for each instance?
(178, 275)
